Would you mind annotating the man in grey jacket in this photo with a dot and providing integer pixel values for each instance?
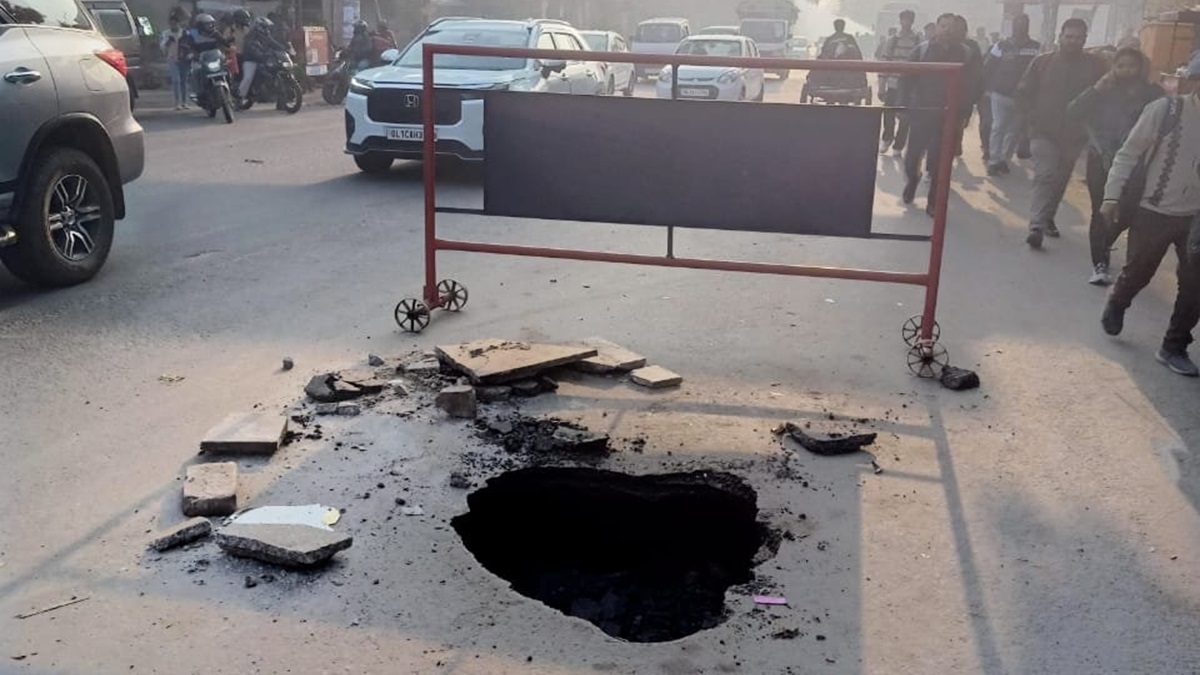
(1169, 205)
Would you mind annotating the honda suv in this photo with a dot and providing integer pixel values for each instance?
(383, 108)
(69, 142)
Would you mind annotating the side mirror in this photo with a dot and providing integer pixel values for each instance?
(553, 66)
(390, 55)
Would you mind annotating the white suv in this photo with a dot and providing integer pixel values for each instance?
(383, 108)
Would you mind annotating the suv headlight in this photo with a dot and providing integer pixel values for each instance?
(360, 87)
(729, 76)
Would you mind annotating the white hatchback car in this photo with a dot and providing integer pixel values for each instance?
(715, 83)
(384, 106)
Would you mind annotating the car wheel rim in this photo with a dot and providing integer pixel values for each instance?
(73, 217)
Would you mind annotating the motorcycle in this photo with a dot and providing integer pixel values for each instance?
(275, 80)
(337, 81)
(211, 70)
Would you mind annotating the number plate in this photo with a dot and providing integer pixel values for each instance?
(394, 134)
(692, 92)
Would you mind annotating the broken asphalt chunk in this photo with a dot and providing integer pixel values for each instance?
(286, 545)
(501, 361)
(458, 401)
(186, 532)
(830, 443)
(959, 379)
(496, 394)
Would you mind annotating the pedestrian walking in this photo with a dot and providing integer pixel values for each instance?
(1048, 87)
(898, 47)
(974, 88)
(1108, 110)
(1167, 136)
(178, 66)
(924, 96)
(1006, 63)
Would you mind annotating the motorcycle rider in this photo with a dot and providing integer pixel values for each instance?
(362, 49)
(260, 46)
(201, 37)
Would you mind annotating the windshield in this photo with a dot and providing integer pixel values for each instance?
(764, 31)
(597, 42)
(659, 32)
(710, 48)
(489, 37)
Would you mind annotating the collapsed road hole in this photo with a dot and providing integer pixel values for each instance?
(644, 558)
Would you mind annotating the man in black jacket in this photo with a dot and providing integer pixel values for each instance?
(925, 96)
(1002, 71)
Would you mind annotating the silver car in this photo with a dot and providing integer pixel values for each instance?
(69, 143)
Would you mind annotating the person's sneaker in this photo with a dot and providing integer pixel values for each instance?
(1100, 275)
(1034, 239)
(1177, 362)
(1052, 230)
(994, 170)
(884, 146)
(1004, 168)
(1113, 319)
(910, 192)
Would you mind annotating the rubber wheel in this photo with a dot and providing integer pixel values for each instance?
(629, 89)
(227, 105)
(373, 162)
(762, 94)
(36, 258)
(333, 92)
(211, 110)
(293, 96)
(611, 89)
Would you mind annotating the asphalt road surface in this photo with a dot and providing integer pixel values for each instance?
(1046, 524)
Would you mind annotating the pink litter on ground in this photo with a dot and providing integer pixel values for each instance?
(769, 600)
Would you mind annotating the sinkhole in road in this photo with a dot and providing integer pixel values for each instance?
(644, 558)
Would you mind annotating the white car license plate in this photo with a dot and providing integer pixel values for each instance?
(692, 92)
(405, 134)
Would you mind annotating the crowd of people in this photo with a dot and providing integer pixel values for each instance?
(1142, 147)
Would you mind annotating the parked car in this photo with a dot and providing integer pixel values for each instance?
(383, 108)
(621, 77)
(70, 142)
(716, 83)
(659, 37)
(118, 26)
(719, 30)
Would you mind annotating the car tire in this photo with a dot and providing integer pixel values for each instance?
(762, 93)
(373, 162)
(611, 88)
(45, 256)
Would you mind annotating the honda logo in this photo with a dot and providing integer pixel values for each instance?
(412, 101)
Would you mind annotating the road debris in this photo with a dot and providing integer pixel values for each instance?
(526, 388)
(190, 530)
(246, 434)
(288, 363)
(337, 388)
(959, 379)
(494, 394)
(425, 366)
(286, 545)
(829, 443)
(170, 379)
(656, 377)
(459, 481)
(771, 600)
(786, 634)
(520, 434)
(312, 515)
(412, 511)
(210, 489)
(458, 401)
(398, 387)
(374, 361)
(494, 361)
(51, 608)
(609, 358)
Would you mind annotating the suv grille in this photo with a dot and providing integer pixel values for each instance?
(403, 106)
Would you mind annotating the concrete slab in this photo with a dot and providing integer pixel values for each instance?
(499, 361)
(610, 358)
(656, 377)
(186, 532)
(210, 489)
(246, 434)
(286, 545)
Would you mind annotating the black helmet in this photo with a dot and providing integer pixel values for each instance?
(263, 24)
(206, 22)
(241, 17)
(360, 27)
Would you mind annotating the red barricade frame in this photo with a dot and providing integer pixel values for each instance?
(926, 356)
